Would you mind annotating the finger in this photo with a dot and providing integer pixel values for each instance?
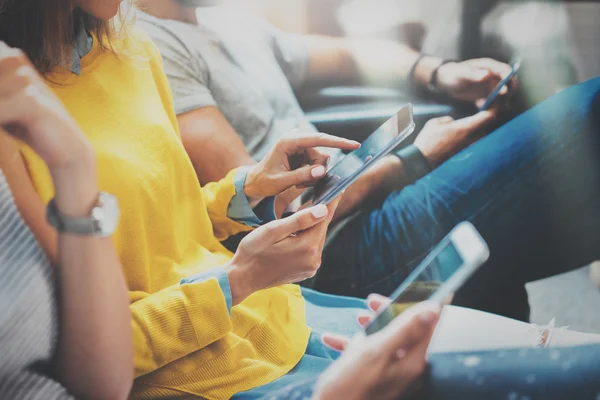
(317, 157)
(500, 69)
(318, 233)
(294, 143)
(281, 229)
(303, 176)
(377, 301)
(364, 318)
(410, 364)
(477, 121)
(333, 205)
(480, 75)
(335, 342)
(412, 361)
(439, 121)
(13, 82)
(410, 328)
(14, 108)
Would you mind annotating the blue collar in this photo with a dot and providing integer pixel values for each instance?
(82, 45)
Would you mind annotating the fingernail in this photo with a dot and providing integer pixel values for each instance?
(318, 171)
(401, 354)
(354, 142)
(319, 211)
(428, 317)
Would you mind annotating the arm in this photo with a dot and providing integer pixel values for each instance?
(386, 62)
(212, 144)
(177, 321)
(341, 60)
(94, 357)
(95, 350)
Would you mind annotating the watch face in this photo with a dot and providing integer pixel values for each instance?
(106, 215)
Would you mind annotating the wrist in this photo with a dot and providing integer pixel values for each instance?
(441, 75)
(239, 284)
(252, 186)
(425, 68)
(392, 169)
(76, 187)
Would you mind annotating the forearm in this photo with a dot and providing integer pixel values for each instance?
(387, 176)
(95, 350)
(373, 60)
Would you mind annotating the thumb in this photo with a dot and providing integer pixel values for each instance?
(281, 229)
(477, 121)
(303, 176)
(410, 327)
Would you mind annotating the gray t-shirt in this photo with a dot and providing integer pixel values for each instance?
(239, 63)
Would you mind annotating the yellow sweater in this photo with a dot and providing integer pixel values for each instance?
(185, 340)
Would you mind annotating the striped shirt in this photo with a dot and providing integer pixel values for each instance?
(28, 320)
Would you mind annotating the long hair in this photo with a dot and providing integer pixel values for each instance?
(44, 30)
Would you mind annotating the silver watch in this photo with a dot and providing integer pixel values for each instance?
(101, 222)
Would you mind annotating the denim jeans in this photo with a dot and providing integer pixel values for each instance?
(531, 188)
(544, 374)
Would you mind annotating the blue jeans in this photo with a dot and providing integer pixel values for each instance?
(548, 374)
(531, 188)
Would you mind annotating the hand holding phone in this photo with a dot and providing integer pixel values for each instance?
(385, 139)
(516, 66)
(440, 274)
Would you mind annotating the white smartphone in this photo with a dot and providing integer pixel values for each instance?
(449, 265)
(381, 142)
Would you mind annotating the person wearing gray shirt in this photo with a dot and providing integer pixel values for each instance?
(244, 70)
(240, 73)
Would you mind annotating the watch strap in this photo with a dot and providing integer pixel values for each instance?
(432, 86)
(65, 224)
(414, 163)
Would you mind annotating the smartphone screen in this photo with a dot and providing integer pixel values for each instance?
(422, 284)
(347, 170)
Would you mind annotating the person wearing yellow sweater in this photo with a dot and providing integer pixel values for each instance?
(205, 322)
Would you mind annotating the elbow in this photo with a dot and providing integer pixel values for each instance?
(114, 387)
(106, 379)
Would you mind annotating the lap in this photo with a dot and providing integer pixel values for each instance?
(530, 188)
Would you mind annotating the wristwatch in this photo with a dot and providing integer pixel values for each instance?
(102, 221)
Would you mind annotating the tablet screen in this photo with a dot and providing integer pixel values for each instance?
(385, 139)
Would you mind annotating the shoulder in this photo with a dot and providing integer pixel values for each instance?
(168, 36)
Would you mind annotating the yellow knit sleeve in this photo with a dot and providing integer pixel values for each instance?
(217, 196)
(170, 324)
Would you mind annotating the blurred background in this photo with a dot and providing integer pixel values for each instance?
(557, 39)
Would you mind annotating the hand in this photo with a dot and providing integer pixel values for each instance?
(293, 161)
(473, 80)
(384, 365)
(443, 137)
(30, 112)
(284, 251)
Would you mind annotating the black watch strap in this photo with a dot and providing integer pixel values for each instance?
(414, 163)
(433, 82)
